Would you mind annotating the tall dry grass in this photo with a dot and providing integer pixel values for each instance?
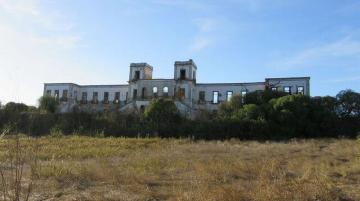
(83, 168)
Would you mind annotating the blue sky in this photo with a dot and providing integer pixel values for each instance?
(93, 42)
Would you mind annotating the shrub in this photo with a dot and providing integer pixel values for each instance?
(48, 104)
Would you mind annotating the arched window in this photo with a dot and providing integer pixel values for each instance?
(166, 91)
(155, 91)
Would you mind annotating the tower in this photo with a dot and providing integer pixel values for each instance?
(140, 71)
(185, 70)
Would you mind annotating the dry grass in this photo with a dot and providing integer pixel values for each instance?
(83, 168)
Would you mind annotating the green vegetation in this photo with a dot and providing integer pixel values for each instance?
(261, 115)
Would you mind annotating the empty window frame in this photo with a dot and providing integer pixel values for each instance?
(95, 98)
(194, 75)
(155, 91)
(287, 89)
(117, 97)
(182, 93)
(201, 96)
(64, 96)
(106, 97)
(273, 88)
(56, 94)
(134, 94)
(137, 75)
(166, 91)
(84, 97)
(48, 92)
(215, 97)
(75, 95)
(143, 93)
(65, 93)
(243, 95)
(182, 74)
(300, 90)
(229, 95)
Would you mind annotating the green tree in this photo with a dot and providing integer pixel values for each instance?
(48, 104)
(227, 109)
(162, 116)
(249, 112)
(12, 107)
(349, 103)
(262, 97)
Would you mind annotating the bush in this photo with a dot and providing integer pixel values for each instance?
(48, 104)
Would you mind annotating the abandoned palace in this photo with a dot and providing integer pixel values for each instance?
(188, 95)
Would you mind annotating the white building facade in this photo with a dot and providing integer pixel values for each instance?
(188, 95)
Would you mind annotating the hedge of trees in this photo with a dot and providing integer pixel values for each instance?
(261, 115)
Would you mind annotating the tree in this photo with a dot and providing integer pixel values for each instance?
(262, 97)
(349, 103)
(12, 107)
(162, 117)
(249, 112)
(227, 109)
(48, 104)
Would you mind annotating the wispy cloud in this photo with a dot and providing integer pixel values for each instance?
(34, 48)
(343, 48)
(205, 36)
(345, 79)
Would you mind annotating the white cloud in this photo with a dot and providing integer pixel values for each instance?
(340, 49)
(33, 51)
(200, 43)
(205, 35)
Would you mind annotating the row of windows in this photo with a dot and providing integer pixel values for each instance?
(181, 94)
(216, 94)
(287, 89)
(84, 95)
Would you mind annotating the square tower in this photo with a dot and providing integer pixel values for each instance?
(185, 70)
(140, 71)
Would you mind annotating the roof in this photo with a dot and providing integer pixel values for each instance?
(135, 65)
(288, 78)
(185, 63)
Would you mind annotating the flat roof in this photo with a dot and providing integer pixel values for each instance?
(232, 84)
(95, 85)
(287, 78)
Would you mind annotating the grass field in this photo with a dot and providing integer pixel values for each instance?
(84, 168)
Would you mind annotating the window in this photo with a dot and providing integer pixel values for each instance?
(75, 95)
(194, 75)
(142, 108)
(182, 93)
(117, 97)
(182, 74)
(273, 88)
(143, 92)
(106, 97)
(95, 97)
(229, 95)
(84, 97)
(48, 92)
(56, 94)
(65, 94)
(215, 97)
(155, 91)
(202, 96)
(166, 91)
(243, 95)
(137, 75)
(287, 90)
(300, 90)
(135, 94)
